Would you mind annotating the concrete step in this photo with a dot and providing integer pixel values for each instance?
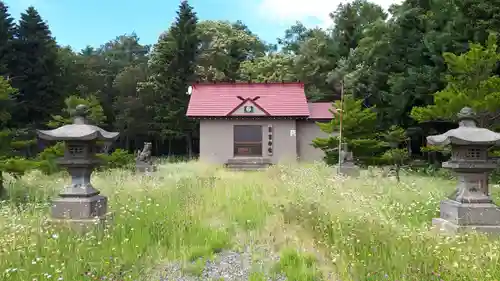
(239, 169)
(249, 160)
(246, 167)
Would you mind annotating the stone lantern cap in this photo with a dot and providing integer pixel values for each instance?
(80, 130)
(467, 133)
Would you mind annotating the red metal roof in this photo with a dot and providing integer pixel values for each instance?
(321, 110)
(221, 99)
(250, 100)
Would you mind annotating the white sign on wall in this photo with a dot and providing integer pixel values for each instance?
(292, 133)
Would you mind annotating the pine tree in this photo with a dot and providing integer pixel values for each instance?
(6, 94)
(7, 29)
(36, 70)
(173, 69)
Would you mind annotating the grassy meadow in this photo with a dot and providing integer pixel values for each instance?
(322, 227)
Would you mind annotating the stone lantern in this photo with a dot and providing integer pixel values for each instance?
(470, 207)
(79, 203)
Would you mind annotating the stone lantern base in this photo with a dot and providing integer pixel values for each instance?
(459, 217)
(81, 214)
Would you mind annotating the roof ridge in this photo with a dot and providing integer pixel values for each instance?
(252, 100)
(245, 83)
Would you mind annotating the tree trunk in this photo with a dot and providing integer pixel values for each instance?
(189, 143)
(158, 144)
(169, 148)
(398, 167)
(3, 192)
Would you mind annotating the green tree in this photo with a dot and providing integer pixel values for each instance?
(96, 114)
(224, 46)
(350, 21)
(393, 139)
(315, 59)
(36, 70)
(293, 38)
(134, 105)
(319, 52)
(470, 82)
(478, 19)
(114, 57)
(8, 163)
(397, 63)
(7, 95)
(71, 71)
(358, 132)
(172, 67)
(244, 50)
(93, 74)
(7, 30)
(273, 68)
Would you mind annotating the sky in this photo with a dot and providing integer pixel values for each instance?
(79, 23)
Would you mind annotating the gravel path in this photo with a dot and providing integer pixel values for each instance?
(227, 266)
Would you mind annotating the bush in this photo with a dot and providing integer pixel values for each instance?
(120, 158)
(431, 170)
(17, 166)
(46, 160)
(23, 193)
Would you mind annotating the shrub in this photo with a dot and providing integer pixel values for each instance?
(297, 266)
(120, 158)
(23, 193)
(46, 160)
(17, 166)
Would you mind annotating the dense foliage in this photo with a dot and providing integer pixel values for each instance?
(418, 62)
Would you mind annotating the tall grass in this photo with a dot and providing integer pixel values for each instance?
(367, 229)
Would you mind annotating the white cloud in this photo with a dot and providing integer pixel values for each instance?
(306, 11)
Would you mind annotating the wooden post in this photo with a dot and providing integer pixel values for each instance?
(340, 125)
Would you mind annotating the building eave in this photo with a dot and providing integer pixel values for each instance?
(247, 117)
(320, 119)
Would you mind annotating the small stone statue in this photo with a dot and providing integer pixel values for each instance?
(348, 157)
(347, 166)
(145, 155)
(343, 156)
(143, 160)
